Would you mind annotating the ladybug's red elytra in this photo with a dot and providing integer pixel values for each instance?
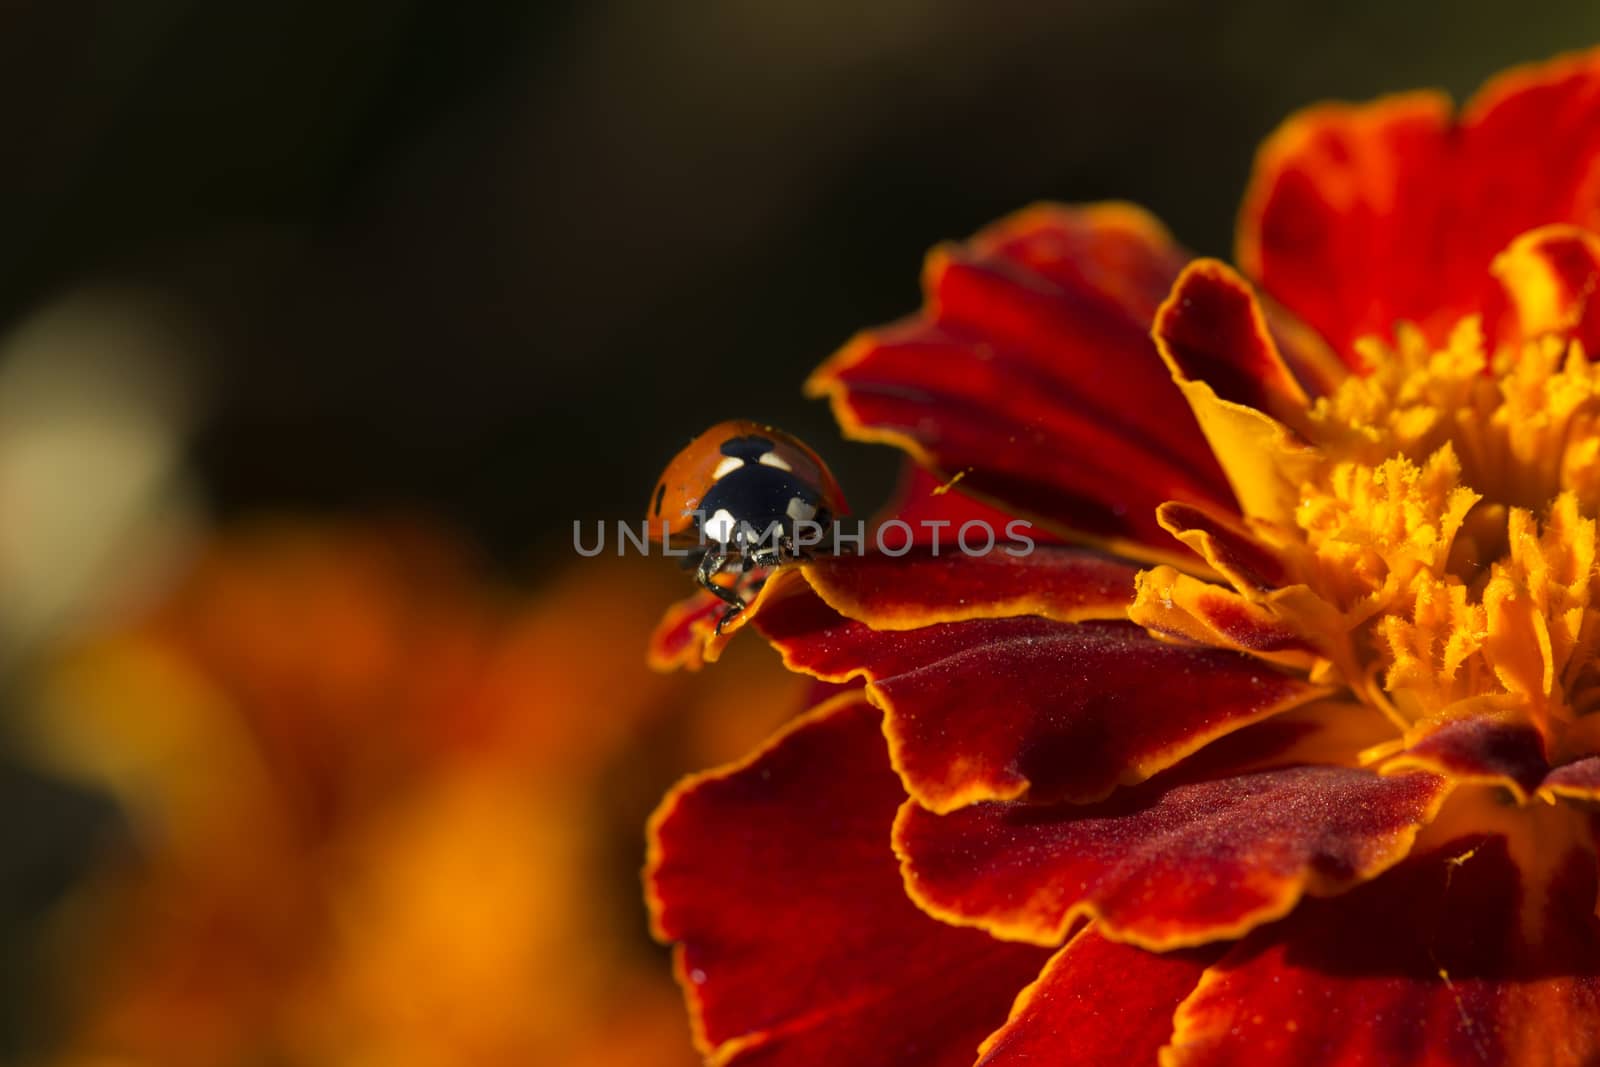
(736, 494)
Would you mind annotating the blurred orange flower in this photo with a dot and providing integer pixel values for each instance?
(380, 810)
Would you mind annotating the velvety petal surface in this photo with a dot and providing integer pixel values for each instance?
(1446, 960)
(910, 586)
(1031, 371)
(1211, 329)
(1499, 750)
(998, 708)
(1225, 546)
(797, 944)
(1163, 865)
(927, 503)
(1506, 751)
(1097, 1001)
(925, 586)
(1358, 216)
(1579, 780)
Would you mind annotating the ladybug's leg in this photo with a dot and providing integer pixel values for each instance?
(712, 564)
(767, 557)
(795, 552)
(779, 553)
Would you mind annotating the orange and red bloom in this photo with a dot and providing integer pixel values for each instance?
(1286, 749)
(375, 815)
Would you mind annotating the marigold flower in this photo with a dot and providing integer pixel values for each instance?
(1296, 761)
(376, 815)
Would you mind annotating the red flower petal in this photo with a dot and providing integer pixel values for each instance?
(1579, 780)
(1430, 964)
(1031, 368)
(1336, 223)
(1229, 549)
(1186, 608)
(1097, 1002)
(1483, 750)
(1550, 275)
(1553, 105)
(918, 589)
(1163, 865)
(920, 499)
(684, 638)
(798, 945)
(999, 708)
(1211, 329)
(1358, 216)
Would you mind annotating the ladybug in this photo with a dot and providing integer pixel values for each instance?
(735, 494)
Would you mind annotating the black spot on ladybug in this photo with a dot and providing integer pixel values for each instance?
(661, 494)
(750, 448)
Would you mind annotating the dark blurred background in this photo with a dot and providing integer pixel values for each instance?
(493, 263)
(497, 261)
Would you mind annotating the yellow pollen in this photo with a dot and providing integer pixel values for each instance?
(1525, 424)
(1436, 518)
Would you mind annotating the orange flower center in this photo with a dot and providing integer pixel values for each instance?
(1436, 521)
